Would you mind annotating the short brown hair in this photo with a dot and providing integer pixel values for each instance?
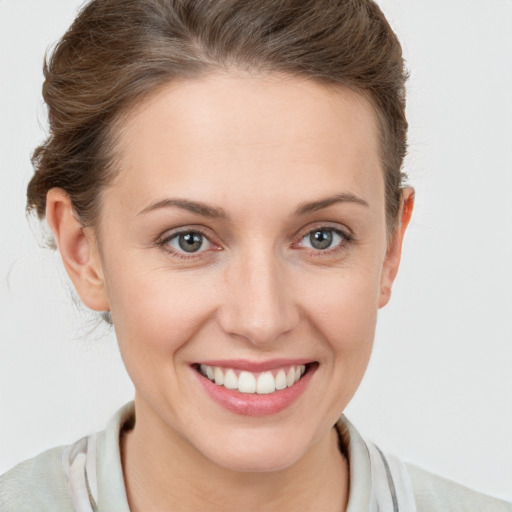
(118, 51)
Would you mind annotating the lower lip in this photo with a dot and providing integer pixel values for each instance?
(253, 404)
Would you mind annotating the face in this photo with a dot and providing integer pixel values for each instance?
(244, 241)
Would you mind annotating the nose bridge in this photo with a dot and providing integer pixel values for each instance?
(259, 305)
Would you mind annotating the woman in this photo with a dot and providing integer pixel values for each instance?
(223, 182)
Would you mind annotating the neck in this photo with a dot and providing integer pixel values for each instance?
(164, 472)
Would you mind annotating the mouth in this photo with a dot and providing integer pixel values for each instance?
(255, 389)
(262, 383)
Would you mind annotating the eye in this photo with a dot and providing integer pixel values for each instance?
(323, 239)
(189, 242)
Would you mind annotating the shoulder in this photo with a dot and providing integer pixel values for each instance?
(36, 484)
(434, 493)
(381, 481)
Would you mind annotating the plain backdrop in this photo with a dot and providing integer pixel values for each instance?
(438, 391)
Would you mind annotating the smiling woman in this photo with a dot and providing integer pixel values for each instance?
(223, 181)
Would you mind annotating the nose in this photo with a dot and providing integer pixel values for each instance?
(258, 302)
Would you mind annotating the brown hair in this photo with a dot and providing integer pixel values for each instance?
(118, 51)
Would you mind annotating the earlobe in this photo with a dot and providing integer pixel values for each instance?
(392, 262)
(78, 249)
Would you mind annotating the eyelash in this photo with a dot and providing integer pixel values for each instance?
(347, 239)
(164, 243)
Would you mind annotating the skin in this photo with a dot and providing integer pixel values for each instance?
(258, 148)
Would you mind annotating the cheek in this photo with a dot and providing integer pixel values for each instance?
(343, 307)
(344, 316)
(155, 315)
(156, 308)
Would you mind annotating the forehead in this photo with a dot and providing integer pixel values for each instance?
(227, 129)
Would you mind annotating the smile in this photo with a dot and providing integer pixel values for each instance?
(255, 388)
(262, 383)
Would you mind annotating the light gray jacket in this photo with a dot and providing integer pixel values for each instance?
(87, 477)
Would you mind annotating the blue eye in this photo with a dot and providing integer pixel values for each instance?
(322, 239)
(189, 241)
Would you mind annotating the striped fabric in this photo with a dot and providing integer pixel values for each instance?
(391, 488)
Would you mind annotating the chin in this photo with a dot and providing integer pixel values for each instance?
(257, 462)
(258, 455)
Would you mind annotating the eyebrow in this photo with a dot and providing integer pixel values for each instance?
(191, 206)
(213, 212)
(314, 206)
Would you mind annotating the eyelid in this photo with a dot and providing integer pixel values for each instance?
(174, 243)
(346, 233)
(163, 240)
(318, 226)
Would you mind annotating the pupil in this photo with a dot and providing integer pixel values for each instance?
(321, 239)
(190, 242)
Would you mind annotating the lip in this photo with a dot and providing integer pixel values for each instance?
(254, 366)
(253, 404)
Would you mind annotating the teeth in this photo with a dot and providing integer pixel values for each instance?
(247, 382)
(290, 377)
(265, 384)
(209, 373)
(219, 376)
(230, 380)
(280, 379)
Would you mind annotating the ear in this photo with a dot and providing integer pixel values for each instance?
(392, 261)
(78, 248)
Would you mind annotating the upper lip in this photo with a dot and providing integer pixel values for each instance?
(255, 366)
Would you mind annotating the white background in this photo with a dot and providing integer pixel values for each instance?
(439, 388)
